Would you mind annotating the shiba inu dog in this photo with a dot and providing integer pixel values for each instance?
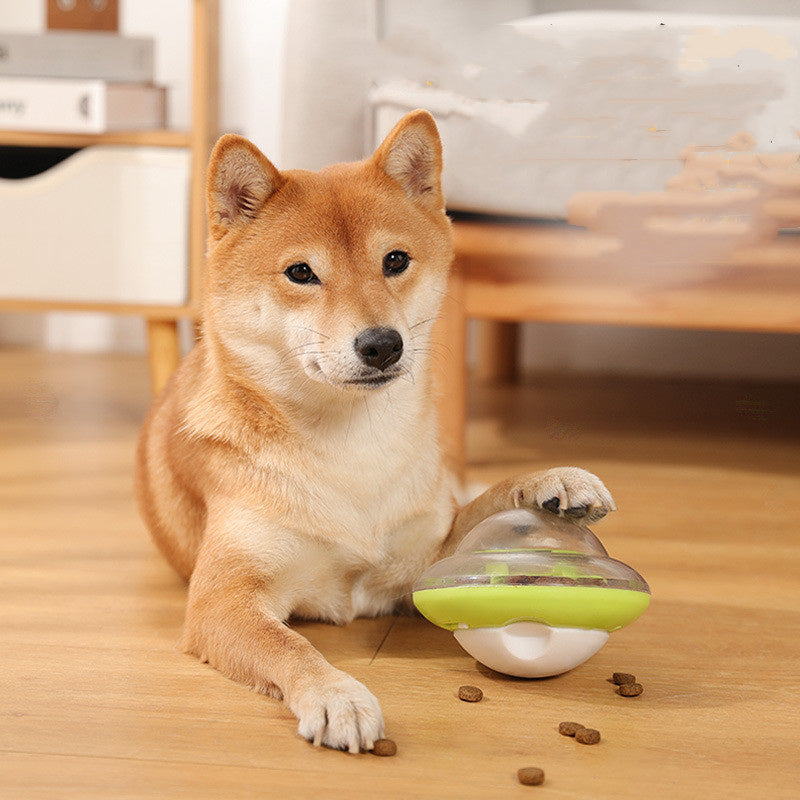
(291, 466)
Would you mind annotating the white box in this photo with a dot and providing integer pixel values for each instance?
(107, 225)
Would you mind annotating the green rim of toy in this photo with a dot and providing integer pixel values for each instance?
(558, 606)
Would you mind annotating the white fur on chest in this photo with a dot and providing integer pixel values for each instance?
(372, 469)
(331, 584)
(377, 512)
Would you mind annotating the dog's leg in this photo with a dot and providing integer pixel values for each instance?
(566, 491)
(234, 622)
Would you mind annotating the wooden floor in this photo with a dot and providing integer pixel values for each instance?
(96, 702)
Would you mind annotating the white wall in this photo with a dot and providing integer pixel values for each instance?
(789, 8)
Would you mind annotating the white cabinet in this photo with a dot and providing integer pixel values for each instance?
(108, 224)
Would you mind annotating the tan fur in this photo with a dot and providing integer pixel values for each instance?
(274, 486)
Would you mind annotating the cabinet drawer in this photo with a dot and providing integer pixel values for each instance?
(107, 224)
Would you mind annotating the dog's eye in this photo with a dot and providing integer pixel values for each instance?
(300, 273)
(396, 262)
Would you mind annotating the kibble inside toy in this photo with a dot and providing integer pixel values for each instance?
(531, 594)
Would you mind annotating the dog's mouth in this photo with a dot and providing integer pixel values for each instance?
(372, 381)
(363, 381)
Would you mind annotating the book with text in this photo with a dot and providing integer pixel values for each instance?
(79, 106)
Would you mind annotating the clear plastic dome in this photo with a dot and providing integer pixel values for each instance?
(522, 547)
(523, 529)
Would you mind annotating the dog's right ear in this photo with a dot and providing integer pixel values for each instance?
(240, 180)
(412, 155)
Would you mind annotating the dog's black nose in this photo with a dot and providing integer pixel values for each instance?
(379, 347)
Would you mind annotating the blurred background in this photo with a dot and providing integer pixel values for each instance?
(530, 113)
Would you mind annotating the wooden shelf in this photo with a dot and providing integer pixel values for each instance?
(198, 140)
(545, 273)
(150, 312)
(152, 138)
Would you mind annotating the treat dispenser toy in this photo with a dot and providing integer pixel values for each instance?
(531, 594)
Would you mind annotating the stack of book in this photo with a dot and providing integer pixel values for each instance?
(78, 82)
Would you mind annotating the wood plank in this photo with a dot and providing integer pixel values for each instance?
(149, 311)
(150, 138)
(553, 273)
(496, 359)
(163, 347)
(772, 310)
(205, 130)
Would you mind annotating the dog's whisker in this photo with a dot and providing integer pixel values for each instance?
(438, 353)
(303, 349)
(306, 328)
(284, 360)
(440, 350)
(294, 351)
(431, 347)
(349, 418)
(306, 344)
(369, 416)
(417, 324)
(309, 353)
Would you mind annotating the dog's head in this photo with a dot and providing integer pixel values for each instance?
(335, 276)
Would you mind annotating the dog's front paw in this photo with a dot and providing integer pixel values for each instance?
(338, 712)
(566, 491)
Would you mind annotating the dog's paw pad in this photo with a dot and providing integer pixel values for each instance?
(568, 492)
(552, 505)
(577, 512)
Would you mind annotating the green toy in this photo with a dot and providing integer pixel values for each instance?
(531, 594)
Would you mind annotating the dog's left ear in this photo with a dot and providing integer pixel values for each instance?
(412, 155)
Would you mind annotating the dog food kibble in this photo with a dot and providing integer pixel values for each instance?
(384, 747)
(471, 694)
(569, 728)
(621, 678)
(587, 736)
(530, 776)
(630, 689)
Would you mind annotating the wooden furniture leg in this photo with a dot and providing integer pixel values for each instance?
(498, 344)
(449, 360)
(163, 351)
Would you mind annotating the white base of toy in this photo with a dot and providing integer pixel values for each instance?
(530, 649)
